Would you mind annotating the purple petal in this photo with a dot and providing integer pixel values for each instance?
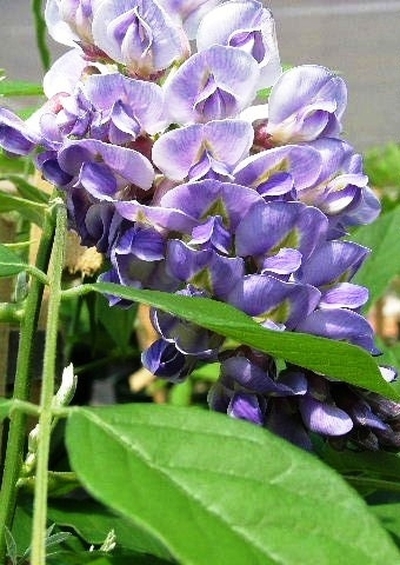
(222, 143)
(138, 34)
(305, 103)
(212, 197)
(246, 25)
(302, 163)
(324, 418)
(273, 225)
(344, 295)
(231, 76)
(247, 406)
(332, 261)
(340, 324)
(165, 361)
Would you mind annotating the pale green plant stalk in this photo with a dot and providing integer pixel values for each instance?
(38, 555)
(17, 430)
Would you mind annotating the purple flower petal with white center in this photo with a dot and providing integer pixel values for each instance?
(165, 361)
(132, 106)
(344, 295)
(215, 84)
(263, 171)
(267, 297)
(145, 243)
(247, 406)
(246, 25)
(323, 418)
(362, 415)
(306, 102)
(196, 150)
(208, 198)
(16, 137)
(342, 325)
(256, 379)
(205, 269)
(285, 262)
(331, 261)
(105, 170)
(270, 226)
(189, 13)
(138, 34)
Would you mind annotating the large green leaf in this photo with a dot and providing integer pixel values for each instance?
(217, 490)
(382, 237)
(335, 359)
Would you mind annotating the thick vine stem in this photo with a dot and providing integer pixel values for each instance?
(38, 547)
(17, 428)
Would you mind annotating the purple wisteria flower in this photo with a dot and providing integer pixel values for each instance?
(138, 34)
(214, 84)
(246, 25)
(307, 102)
(202, 150)
(167, 167)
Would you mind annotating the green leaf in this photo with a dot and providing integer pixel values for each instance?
(382, 165)
(382, 237)
(32, 211)
(92, 521)
(318, 354)
(26, 189)
(13, 88)
(10, 263)
(118, 322)
(217, 490)
(99, 558)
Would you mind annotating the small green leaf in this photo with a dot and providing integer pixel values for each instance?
(32, 211)
(217, 490)
(316, 353)
(92, 521)
(10, 263)
(26, 189)
(382, 237)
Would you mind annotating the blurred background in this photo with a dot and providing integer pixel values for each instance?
(358, 38)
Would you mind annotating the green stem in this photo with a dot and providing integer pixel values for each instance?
(17, 429)
(38, 547)
(40, 27)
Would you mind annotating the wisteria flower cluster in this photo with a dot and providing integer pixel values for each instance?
(157, 132)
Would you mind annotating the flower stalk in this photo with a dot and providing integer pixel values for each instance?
(17, 429)
(38, 554)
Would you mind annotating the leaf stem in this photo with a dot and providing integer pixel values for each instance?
(40, 28)
(17, 429)
(38, 554)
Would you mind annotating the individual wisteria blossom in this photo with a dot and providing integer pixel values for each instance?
(214, 84)
(170, 169)
(246, 25)
(200, 150)
(315, 110)
(138, 34)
